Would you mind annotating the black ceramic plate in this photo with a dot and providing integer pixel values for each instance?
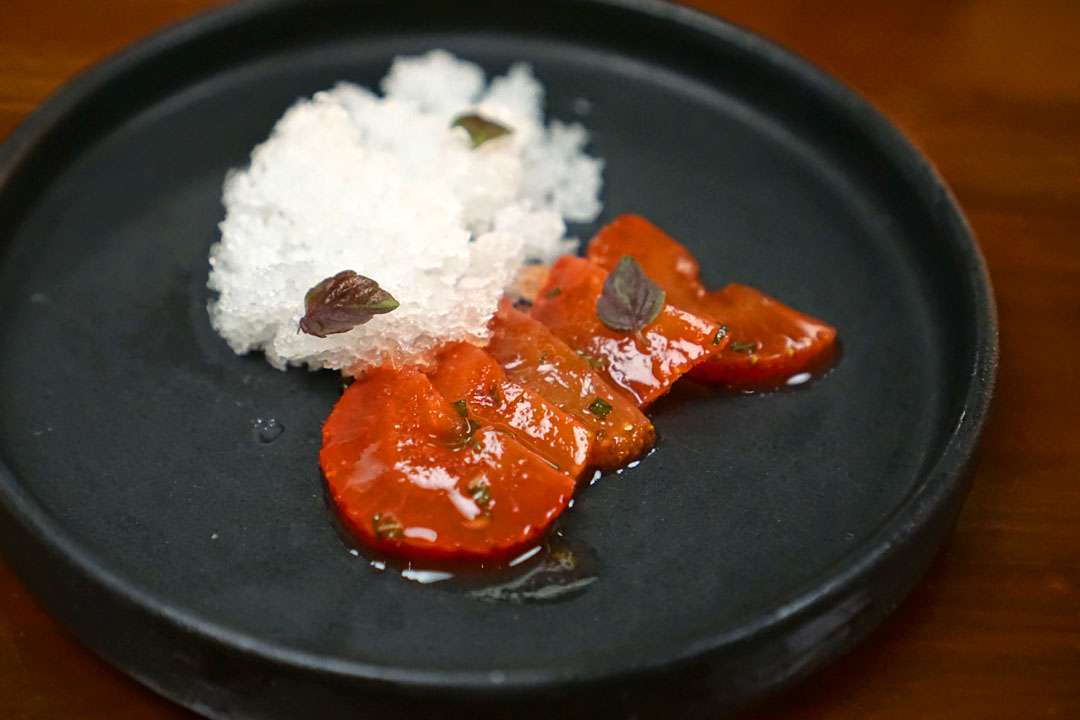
(765, 535)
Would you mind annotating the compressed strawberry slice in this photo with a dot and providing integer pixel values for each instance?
(472, 380)
(413, 478)
(667, 262)
(769, 341)
(643, 364)
(534, 358)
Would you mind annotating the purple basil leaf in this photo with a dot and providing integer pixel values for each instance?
(629, 300)
(340, 303)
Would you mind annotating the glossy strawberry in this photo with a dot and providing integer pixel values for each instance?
(414, 478)
(533, 357)
(642, 364)
(471, 379)
(663, 259)
(768, 342)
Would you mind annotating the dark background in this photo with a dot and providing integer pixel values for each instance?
(990, 90)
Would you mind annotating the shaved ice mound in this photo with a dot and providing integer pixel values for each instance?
(386, 187)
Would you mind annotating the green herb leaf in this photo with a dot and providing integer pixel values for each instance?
(600, 408)
(495, 394)
(386, 527)
(340, 303)
(472, 427)
(720, 335)
(480, 128)
(465, 435)
(480, 492)
(597, 363)
(459, 405)
(742, 347)
(469, 436)
(629, 300)
(552, 292)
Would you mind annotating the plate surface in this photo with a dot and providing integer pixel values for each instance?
(766, 534)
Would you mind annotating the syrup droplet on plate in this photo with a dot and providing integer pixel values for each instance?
(267, 430)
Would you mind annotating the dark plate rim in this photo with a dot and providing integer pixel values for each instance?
(942, 484)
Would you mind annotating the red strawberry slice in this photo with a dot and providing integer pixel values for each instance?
(769, 342)
(533, 357)
(414, 478)
(472, 380)
(644, 364)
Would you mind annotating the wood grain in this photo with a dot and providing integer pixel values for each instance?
(990, 90)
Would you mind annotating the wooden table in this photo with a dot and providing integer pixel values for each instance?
(990, 89)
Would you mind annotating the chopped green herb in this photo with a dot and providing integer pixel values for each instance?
(465, 436)
(552, 292)
(459, 405)
(495, 394)
(597, 363)
(543, 357)
(721, 333)
(480, 128)
(629, 300)
(600, 408)
(386, 527)
(742, 347)
(480, 492)
(340, 303)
